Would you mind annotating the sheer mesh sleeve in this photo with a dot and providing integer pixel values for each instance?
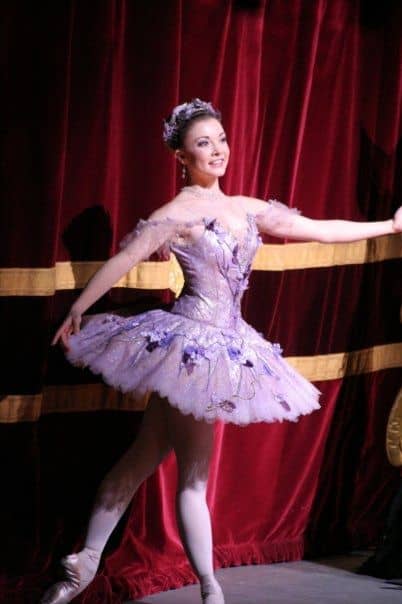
(276, 218)
(149, 236)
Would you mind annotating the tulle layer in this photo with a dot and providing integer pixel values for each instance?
(214, 373)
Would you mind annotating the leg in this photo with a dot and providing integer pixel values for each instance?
(119, 485)
(192, 442)
(113, 496)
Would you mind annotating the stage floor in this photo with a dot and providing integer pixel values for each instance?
(322, 581)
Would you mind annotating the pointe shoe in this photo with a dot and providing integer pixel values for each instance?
(213, 598)
(79, 569)
(211, 593)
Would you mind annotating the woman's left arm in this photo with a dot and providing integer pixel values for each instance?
(280, 221)
(338, 231)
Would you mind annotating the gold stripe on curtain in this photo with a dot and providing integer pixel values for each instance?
(95, 397)
(163, 275)
(72, 275)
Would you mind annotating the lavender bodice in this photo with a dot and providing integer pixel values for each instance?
(216, 263)
(216, 269)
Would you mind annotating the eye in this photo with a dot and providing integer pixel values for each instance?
(202, 143)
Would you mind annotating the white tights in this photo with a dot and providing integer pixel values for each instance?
(162, 429)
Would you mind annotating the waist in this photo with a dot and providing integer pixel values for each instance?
(219, 313)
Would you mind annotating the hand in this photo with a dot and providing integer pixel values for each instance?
(397, 221)
(71, 324)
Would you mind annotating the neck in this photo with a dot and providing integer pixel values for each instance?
(211, 184)
(206, 192)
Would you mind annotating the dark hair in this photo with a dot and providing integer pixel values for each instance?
(176, 125)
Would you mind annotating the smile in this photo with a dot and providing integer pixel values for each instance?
(217, 162)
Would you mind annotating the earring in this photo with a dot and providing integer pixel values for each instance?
(183, 172)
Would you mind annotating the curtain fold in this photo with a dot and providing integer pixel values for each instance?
(310, 93)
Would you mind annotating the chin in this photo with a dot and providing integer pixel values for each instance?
(218, 172)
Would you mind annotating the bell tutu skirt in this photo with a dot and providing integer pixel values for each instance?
(212, 372)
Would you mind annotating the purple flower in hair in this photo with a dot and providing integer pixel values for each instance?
(183, 113)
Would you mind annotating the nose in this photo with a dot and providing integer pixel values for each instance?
(216, 148)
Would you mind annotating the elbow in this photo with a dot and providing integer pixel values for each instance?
(324, 236)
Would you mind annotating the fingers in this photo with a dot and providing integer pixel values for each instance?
(76, 324)
(61, 335)
(64, 340)
(69, 326)
(56, 337)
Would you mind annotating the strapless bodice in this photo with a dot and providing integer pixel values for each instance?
(216, 269)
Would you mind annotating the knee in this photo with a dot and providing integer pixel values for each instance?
(193, 474)
(194, 487)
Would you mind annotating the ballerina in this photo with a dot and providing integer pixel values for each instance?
(200, 361)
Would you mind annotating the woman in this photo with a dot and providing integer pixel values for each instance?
(200, 361)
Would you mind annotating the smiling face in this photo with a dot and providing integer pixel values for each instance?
(205, 151)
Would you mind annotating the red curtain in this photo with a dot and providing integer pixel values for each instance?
(310, 93)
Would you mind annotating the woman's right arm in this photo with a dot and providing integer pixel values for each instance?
(145, 239)
(99, 284)
(104, 278)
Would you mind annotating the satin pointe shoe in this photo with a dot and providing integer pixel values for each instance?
(211, 593)
(213, 598)
(80, 569)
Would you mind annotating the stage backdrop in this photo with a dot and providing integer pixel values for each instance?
(310, 93)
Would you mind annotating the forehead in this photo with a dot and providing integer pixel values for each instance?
(208, 126)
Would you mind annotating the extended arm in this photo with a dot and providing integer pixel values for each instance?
(334, 231)
(276, 219)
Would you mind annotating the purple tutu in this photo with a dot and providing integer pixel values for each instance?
(201, 355)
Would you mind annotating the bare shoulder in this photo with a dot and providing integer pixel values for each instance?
(170, 210)
(251, 205)
(181, 208)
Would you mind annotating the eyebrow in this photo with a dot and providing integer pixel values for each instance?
(206, 135)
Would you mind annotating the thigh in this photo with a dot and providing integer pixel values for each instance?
(148, 448)
(153, 435)
(140, 460)
(192, 441)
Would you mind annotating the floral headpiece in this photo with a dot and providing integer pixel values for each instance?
(182, 114)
